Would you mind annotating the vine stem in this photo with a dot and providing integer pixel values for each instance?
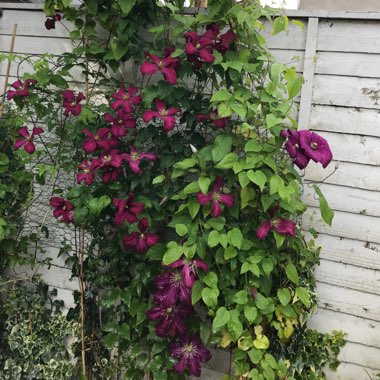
(81, 287)
(8, 67)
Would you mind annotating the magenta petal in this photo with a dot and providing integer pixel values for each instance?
(220, 123)
(216, 210)
(151, 239)
(148, 68)
(169, 123)
(141, 246)
(149, 156)
(201, 264)
(206, 56)
(204, 199)
(23, 131)
(19, 143)
(301, 160)
(149, 115)
(37, 131)
(218, 184)
(160, 105)
(187, 279)
(143, 224)
(263, 231)
(194, 367)
(227, 199)
(170, 75)
(284, 227)
(135, 166)
(89, 146)
(29, 147)
(190, 49)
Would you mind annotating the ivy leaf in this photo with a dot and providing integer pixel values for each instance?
(284, 296)
(204, 184)
(326, 212)
(291, 272)
(96, 205)
(222, 317)
(235, 237)
(258, 178)
(304, 295)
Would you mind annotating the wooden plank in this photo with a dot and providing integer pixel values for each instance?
(352, 226)
(348, 371)
(359, 330)
(291, 58)
(345, 120)
(361, 355)
(349, 36)
(349, 251)
(308, 73)
(294, 38)
(349, 64)
(349, 276)
(332, 14)
(347, 91)
(346, 174)
(349, 301)
(341, 198)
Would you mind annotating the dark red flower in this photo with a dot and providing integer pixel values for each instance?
(315, 147)
(26, 140)
(50, 21)
(219, 122)
(120, 123)
(127, 210)
(88, 172)
(189, 270)
(221, 42)
(101, 140)
(21, 90)
(110, 174)
(280, 225)
(142, 240)
(191, 352)
(216, 197)
(199, 48)
(134, 159)
(166, 65)
(71, 103)
(112, 158)
(125, 100)
(64, 210)
(167, 115)
(292, 146)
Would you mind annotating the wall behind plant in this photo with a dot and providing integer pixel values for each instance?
(340, 100)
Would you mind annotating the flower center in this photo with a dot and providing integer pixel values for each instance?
(164, 112)
(160, 64)
(134, 156)
(120, 121)
(72, 104)
(86, 171)
(189, 350)
(125, 97)
(215, 196)
(275, 222)
(64, 208)
(142, 236)
(169, 310)
(107, 158)
(198, 45)
(314, 145)
(176, 277)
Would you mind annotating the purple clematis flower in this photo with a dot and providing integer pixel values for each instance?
(189, 270)
(50, 21)
(127, 210)
(216, 197)
(171, 319)
(26, 140)
(88, 172)
(294, 149)
(315, 147)
(134, 159)
(166, 65)
(199, 48)
(167, 115)
(191, 352)
(110, 174)
(280, 225)
(100, 140)
(64, 210)
(71, 103)
(121, 122)
(125, 100)
(221, 42)
(21, 89)
(112, 158)
(142, 240)
(219, 122)
(171, 288)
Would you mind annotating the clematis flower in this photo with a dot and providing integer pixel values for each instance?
(221, 42)
(88, 172)
(71, 103)
(141, 240)
(100, 140)
(26, 140)
(280, 225)
(166, 65)
(198, 48)
(171, 319)
(127, 209)
(50, 21)
(112, 158)
(120, 123)
(125, 100)
(219, 122)
(189, 270)
(21, 89)
(216, 197)
(171, 288)
(134, 159)
(191, 352)
(167, 115)
(64, 210)
(110, 174)
(315, 147)
(292, 146)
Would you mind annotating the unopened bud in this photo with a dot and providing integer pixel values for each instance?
(193, 148)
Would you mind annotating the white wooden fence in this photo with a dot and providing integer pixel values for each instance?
(339, 55)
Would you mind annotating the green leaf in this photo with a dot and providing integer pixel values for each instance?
(271, 121)
(230, 253)
(258, 178)
(92, 6)
(181, 229)
(173, 253)
(294, 82)
(221, 96)
(193, 206)
(267, 265)
(247, 195)
(279, 239)
(234, 325)
(291, 272)
(261, 342)
(304, 295)
(217, 223)
(243, 179)
(326, 212)
(185, 164)
(210, 297)
(222, 146)
(126, 5)
(228, 161)
(255, 356)
(284, 296)
(253, 146)
(213, 239)
(196, 292)
(96, 205)
(240, 109)
(211, 280)
(275, 184)
(241, 298)
(224, 110)
(204, 184)
(250, 312)
(192, 187)
(221, 318)
(280, 23)
(252, 267)
(235, 237)
(275, 70)
(158, 179)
